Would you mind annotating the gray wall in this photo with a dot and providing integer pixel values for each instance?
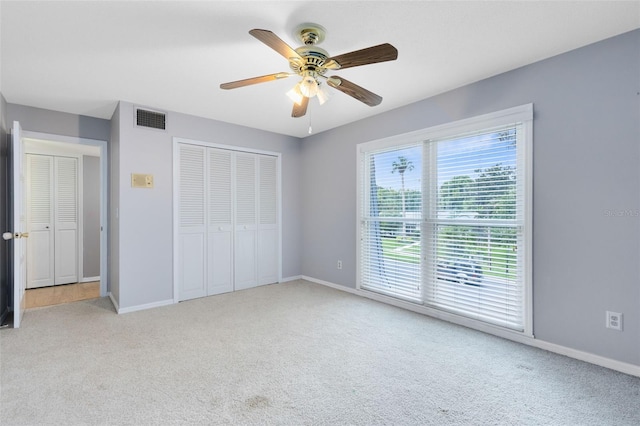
(4, 214)
(91, 216)
(586, 154)
(59, 123)
(145, 233)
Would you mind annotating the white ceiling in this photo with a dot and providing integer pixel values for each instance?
(82, 57)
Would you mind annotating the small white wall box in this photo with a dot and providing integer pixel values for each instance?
(141, 180)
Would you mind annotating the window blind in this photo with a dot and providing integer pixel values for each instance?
(475, 218)
(443, 219)
(391, 246)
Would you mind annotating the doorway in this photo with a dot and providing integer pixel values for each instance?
(67, 254)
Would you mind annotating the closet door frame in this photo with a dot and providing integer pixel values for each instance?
(79, 234)
(51, 144)
(176, 201)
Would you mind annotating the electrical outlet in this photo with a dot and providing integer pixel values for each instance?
(339, 264)
(614, 320)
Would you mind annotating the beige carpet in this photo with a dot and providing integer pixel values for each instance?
(290, 354)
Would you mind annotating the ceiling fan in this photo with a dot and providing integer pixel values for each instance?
(312, 63)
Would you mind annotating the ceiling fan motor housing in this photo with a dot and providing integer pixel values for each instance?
(313, 59)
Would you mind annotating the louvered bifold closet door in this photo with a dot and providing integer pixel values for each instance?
(220, 223)
(192, 268)
(245, 242)
(40, 220)
(268, 229)
(66, 220)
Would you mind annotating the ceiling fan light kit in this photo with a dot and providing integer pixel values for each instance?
(309, 84)
(295, 94)
(311, 63)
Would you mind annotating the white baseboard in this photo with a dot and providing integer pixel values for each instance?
(90, 279)
(140, 307)
(623, 367)
(113, 301)
(330, 284)
(424, 310)
(287, 279)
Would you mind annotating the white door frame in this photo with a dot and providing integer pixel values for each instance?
(18, 232)
(176, 202)
(103, 147)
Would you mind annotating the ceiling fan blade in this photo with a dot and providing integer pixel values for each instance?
(355, 91)
(276, 43)
(370, 55)
(300, 110)
(254, 80)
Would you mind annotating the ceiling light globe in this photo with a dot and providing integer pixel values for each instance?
(323, 94)
(295, 94)
(309, 86)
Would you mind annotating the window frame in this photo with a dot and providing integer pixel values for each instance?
(519, 114)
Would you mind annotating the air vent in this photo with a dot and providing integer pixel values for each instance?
(151, 119)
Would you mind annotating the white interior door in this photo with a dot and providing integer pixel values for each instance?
(18, 225)
(192, 267)
(40, 248)
(220, 223)
(66, 220)
(245, 241)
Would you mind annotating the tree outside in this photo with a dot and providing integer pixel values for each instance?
(491, 195)
(402, 165)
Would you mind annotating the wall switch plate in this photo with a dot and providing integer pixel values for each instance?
(339, 264)
(141, 180)
(614, 320)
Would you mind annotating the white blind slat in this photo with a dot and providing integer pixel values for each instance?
(390, 248)
(471, 206)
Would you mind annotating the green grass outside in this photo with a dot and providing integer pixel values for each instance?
(408, 250)
(402, 249)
